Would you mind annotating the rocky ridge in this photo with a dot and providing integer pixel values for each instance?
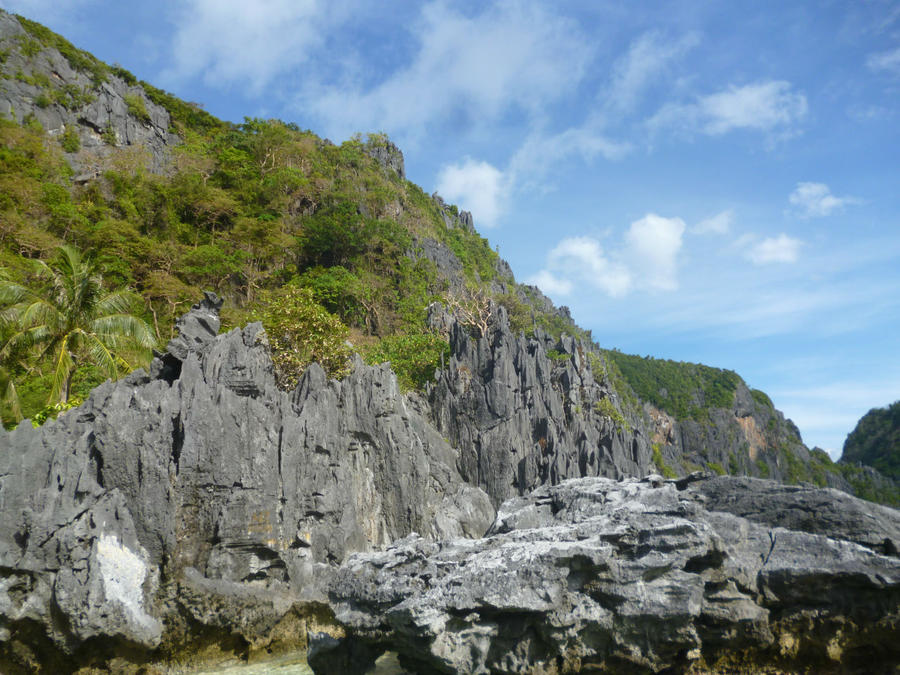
(197, 511)
(711, 575)
(201, 477)
(38, 82)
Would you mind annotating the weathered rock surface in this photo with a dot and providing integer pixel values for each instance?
(522, 419)
(44, 85)
(595, 575)
(204, 476)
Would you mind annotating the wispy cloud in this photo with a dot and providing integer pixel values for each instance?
(648, 58)
(477, 186)
(232, 42)
(473, 69)
(718, 224)
(537, 156)
(768, 106)
(814, 200)
(780, 249)
(888, 61)
(647, 258)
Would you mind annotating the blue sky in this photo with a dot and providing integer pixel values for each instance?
(713, 182)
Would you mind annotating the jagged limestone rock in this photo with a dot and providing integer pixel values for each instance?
(522, 419)
(633, 576)
(203, 475)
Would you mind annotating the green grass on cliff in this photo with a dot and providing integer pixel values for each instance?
(684, 390)
(875, 441)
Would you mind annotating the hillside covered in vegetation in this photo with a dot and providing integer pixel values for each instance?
(875, 441)
(330, 246)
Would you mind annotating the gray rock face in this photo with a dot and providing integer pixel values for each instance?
(522, 419)
(46, 87)
(176, 488)
(388, 155)
(595, 575)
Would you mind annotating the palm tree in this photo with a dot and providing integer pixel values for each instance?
(70, 318)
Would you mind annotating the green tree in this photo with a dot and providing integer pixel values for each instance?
(300, 332)
(67, 317)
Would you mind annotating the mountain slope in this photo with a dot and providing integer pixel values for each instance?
(172, 201)
(875, 441)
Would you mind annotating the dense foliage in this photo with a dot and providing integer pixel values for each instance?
(413, 357)
(684, 390)
(301, 332)
(62, 317)
(244, 210)
(876, 441)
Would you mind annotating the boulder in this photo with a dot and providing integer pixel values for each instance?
(597, 575)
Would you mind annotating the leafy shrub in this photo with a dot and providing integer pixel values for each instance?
(337, 289)
(29, 47)
(762, 468)
(414, 358)
(660, 463)
(109, 135)
(606, 408)
(69, 140)
(301, 332)
(137, 108)
(715, 467)
(53, 411)
(762, 398)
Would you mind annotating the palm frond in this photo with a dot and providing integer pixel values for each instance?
(63, 366)
(9, 396)
(114, 327)
(12, 293)
(22, 341)
(40, 312)
(102, 355)
(117, 302)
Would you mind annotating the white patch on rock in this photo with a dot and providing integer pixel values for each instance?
(123, 573)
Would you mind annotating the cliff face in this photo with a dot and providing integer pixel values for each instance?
(527, 411)
(203, 469)
(61, 92)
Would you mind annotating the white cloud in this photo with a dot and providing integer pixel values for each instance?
(582, 259)
(477, 187)
(648, 57)
(763, 106)
(889, 61)
(237, 42)
(550, 284)
(536, 156)
(815, 200)
(652, 246)
(511, 56)
(780, 249)
(646, 259)
(718, 224)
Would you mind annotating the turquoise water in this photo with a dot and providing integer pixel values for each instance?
(295, 664)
